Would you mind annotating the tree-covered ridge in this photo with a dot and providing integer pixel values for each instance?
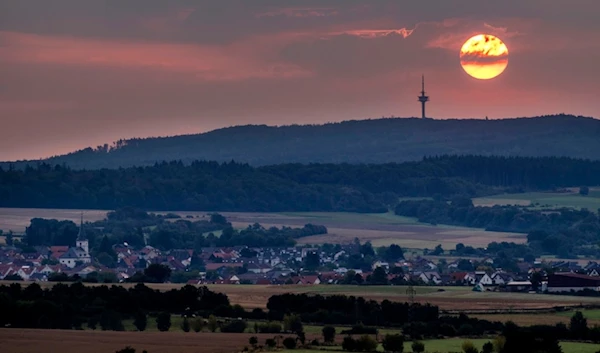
(212, 186)
(359, 141)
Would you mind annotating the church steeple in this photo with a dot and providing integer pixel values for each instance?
(81, 236)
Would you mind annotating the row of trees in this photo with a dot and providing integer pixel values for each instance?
(562, 232)
(137, 228)
(286, 187)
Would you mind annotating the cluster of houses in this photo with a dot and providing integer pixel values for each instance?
(279, 266)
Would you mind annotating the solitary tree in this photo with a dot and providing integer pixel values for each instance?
(289, 343)
(212, 323)
(578, 325)
(488, 347)
(584, 191)
(393, 343)
(185, 325)
(328, 334)
(163, 321)
(292, 323)
(253, 341)
(197, 324)
(140, 321)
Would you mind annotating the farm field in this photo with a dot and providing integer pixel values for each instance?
(545, 199)
(381, 229)
(72, 341)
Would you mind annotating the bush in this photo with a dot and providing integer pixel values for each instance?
(418, 347)
(314, 342)
(488, 347)
(163, 321)
(289, 343)
(140, 321)
(328, 334)
(469, 347)
(235, 326)
(197, 324)
(253, 341)
(212, 323)
(270, 343)
(185, 325)
(292, 323)
(269, 327)
(584, 190)
(499, 343)
(393, 343)
(364, 344)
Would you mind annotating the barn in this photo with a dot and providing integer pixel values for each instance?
(568, 281)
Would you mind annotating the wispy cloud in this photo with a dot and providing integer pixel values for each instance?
(374, 33)
(234, 62)
(300, 12)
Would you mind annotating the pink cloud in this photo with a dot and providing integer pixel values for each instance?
(375, 33)
(233, 62)
(300, 12)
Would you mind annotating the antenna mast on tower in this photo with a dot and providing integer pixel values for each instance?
(423, 98)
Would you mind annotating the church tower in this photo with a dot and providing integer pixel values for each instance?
(82, 241)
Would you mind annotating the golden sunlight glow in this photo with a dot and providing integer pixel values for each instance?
(484, 56)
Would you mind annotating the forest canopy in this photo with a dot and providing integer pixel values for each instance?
(212, 186)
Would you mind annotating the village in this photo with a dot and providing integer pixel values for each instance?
(297, 265)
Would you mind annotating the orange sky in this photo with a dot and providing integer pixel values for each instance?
(75, 74)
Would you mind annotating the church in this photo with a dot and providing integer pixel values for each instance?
(78, 254)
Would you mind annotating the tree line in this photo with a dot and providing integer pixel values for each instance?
(563, 232)
(287, 187)
(136, 228)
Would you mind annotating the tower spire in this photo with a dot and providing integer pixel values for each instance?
(423, 98)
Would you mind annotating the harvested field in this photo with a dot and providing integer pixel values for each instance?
(570, 198)
(381, 229)
(65, 341)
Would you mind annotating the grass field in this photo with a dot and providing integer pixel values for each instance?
(380, 229)
(545, 199)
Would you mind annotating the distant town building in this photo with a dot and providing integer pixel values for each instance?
(80, 253)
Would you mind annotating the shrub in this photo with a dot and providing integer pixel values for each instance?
(127, 349)
(499, 343)
(253, 341)
(488, 347)
(418, 347)
(314, 342)
(140, 321)
(328, 334)
(349, 344)
(163, 321)
(269, 327)
(292, 323)
(197, 324)
(270, 343)
(235, 326)
(393, 343)
(289, 343)
(185, 325)
(469, 347)
(212, 323)
(584, 190)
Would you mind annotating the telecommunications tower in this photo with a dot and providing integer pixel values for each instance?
(423, 98)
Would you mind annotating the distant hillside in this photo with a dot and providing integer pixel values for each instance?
(363, 141)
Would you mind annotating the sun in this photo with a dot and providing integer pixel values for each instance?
(484, 56)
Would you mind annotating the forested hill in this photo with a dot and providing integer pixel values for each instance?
(363, 141)
(211, 186)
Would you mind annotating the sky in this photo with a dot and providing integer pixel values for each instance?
(79, 73)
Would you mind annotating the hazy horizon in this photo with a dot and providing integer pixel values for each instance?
(82, 74)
